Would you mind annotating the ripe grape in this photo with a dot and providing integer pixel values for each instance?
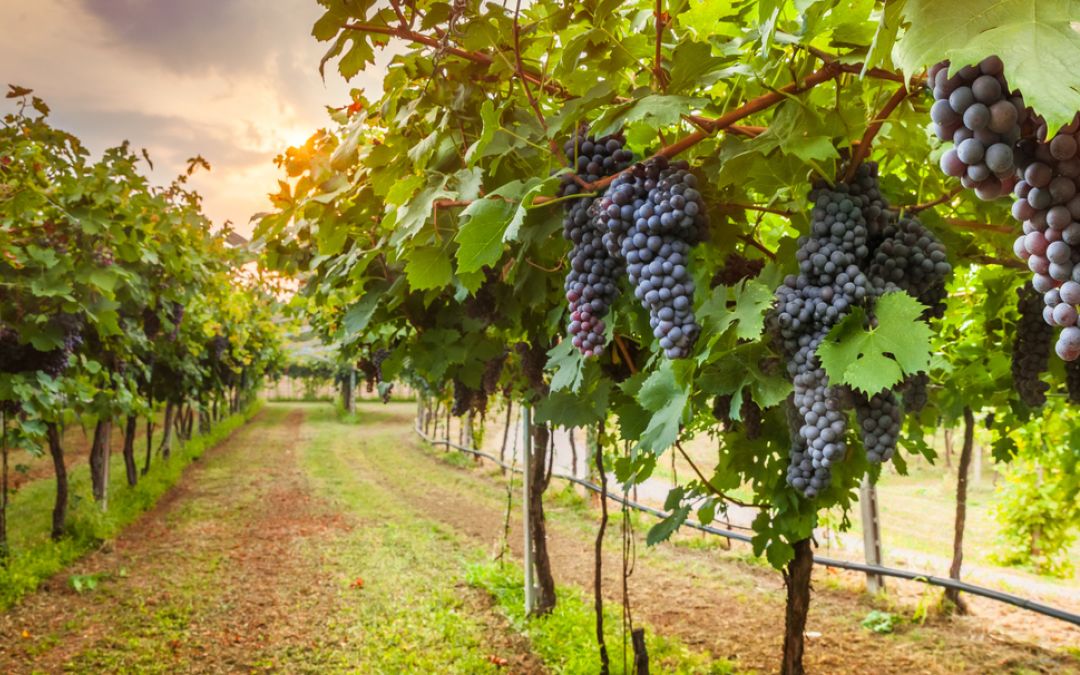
(985, 120)
(879, 421)
(591, 283)
(1031, 347)
(667, 222)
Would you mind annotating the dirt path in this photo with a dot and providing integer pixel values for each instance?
(241, 567)
(733, 608)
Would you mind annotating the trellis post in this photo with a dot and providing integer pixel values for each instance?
(526, 428)
(871, 532)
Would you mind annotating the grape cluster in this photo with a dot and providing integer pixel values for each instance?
(975, 110)
(854, 252)
(1072, 380)
(176, 315)
(1000, 145)
(151, 323)
(217, 347)
(467, 399)
(914, 390)
(591, 285)
(1049, 206)
(1031, 348)
(912, 259)
(736, 268)
(666, 224)
(16, 357)
(828, 285)
(750, 414)
(879, 421)
(489, 379)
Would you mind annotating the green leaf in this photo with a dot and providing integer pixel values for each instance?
(354, 60)
(880, 358)
(1036, 41)
(480, 238)
(885, 36)
(567, 363)
(428, 267)
(752, 300)
(564, 408)
(403, 188)
(693, 65)
(662, 395)
(490, 126)
(359, 315)
(412, 216)
(654, 110)
(663, 530)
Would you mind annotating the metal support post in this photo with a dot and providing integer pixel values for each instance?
(526, 428)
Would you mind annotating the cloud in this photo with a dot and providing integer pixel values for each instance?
(233, 80)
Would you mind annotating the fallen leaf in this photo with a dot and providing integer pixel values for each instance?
(358, 584)
(26, 634)
(498, 661)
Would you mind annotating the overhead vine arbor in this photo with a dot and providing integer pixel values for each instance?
(680, 219)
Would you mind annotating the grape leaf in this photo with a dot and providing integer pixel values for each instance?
(1035, 40)
(880, 358)
(567, 363)
(752, 299)
(567, 409)
(491, 125)
(663, 530)
(656, 110)
(428, 267)
(358, 316)
(662, 395)
(480, 236)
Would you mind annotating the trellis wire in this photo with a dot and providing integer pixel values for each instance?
(931, 580)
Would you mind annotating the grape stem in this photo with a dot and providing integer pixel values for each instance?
(658, 68)
(406, 33)
(915, 208)
(872, 129)
(625, 354)
(747, 239)
(719, 493)
(972, 225)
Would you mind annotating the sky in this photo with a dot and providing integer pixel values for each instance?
(234, 80)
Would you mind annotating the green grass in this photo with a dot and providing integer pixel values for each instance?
(566, 639)
(410, 615)
(35, 557)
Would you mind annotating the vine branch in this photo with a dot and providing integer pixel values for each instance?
(863, 151)
(719, 493)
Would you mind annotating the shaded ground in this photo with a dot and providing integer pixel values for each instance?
(305, 545)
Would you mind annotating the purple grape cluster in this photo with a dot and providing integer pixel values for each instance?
(592, 283)
(879, 419)
(1048, 205)
(829, 284)
(666, 224)
(911, 258)
(975, 110)
(18, 357)
(1031, 347)
(650, 218)
(855, 252)
(1001, 145)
